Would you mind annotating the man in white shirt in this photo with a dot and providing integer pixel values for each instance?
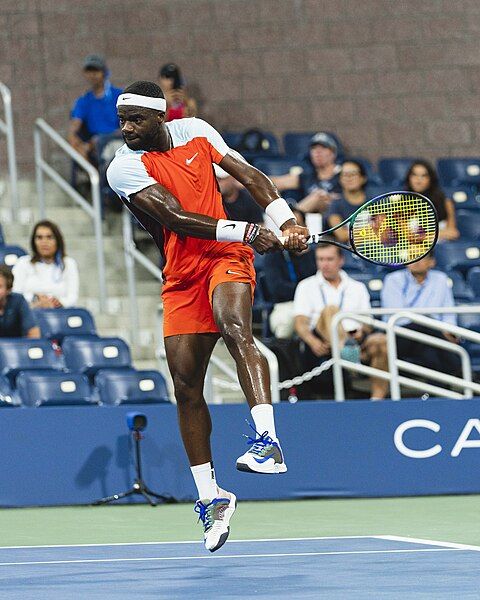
(319, 298)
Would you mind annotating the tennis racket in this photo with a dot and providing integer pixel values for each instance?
(393, 229)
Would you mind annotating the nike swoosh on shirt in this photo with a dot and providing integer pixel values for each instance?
(230, 272)
(188, 161)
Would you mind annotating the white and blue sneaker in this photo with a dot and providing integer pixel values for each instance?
(264, 455)
(215, 516)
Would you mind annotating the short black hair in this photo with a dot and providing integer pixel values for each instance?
(7, 274)
(145, 88)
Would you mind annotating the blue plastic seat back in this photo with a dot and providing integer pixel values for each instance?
(454, 171)
(468, 223)
(19, 354)
(89, 355)
(464, 197)
(56, 323)
(46, 388)
(131, 387)
(374, 190)
(394, 170)
(10, 254)
(2, 237)
(8, 396)
(462, 291)
(232, 138)
(277, 166)
(460, 255)
(473, 280)
(374, 283)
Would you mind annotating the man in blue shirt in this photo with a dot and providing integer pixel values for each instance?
(16, 317)
(94, 114)
(421, 286)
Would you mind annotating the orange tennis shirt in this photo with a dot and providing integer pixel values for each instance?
(192, 267)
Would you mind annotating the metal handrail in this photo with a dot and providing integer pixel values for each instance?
(95, 211)
(132, 254)
(6, 127)
(366, 317)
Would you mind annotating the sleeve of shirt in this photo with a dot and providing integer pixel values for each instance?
(27, 320)
(20, 278)
(78, 110)
(72, 284)
(301, 303)
(218, 147)
(127, 175)
(448, 300)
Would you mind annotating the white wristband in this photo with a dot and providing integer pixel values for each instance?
(279, 212)
(231, 231)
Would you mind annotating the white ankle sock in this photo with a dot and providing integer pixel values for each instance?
(204, 476)
(262, 415)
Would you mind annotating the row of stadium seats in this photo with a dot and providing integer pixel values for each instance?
(71, 364)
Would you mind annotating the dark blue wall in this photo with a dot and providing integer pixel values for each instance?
(75, 455)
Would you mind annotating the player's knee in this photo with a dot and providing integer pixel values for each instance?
(186, 390)
(235, 333)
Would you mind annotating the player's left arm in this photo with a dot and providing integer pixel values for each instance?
(267, 196)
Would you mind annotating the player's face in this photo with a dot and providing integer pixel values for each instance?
(419, 179)
(321, 156)
(45, 242)
(140, 126)
(329, 262)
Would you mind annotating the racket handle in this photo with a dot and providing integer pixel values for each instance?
(311, 239)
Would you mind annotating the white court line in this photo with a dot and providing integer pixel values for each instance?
(207, 557)
(398, 538)
(299, 539)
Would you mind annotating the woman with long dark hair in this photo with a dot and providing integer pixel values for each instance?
(423, 179)
(48, 278)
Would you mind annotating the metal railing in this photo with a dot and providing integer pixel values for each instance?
(132, 255)
(6, 127)
(393, 376)
(95, 212)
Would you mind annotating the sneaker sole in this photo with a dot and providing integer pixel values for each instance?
(277, 468)
(229, 512)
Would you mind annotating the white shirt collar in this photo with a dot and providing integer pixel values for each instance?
(343, 283)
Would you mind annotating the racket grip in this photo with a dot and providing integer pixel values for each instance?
(311, 239)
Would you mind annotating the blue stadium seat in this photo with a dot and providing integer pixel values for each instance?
(468, 224)
(8, 396)
(374, 283)
(460, 255)
(394, 170)
(471, 322)
(131, 387)
(232, 138)
(462, 292)
(473, 280)
(10, 254)
(464, 196)
(297, 144)
(374, 190)
(89, 355)
(27, 354)
(44, 388)
(56, 323)
(277, 166)
(455, 171)
(2, 237)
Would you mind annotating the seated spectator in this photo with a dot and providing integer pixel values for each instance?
(237, 202)
(318, 299)
(423, 179)
(48, 278)
(16, 317)
(95, 113)
(179, 103)
(320, 184)
(422, 286)
(353, 179)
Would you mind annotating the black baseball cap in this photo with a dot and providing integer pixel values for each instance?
(95, 61)
(325, 140)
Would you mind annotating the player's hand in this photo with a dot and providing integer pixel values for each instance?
(266, 241)
(296, 241)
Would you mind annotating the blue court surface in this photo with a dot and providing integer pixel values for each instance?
(373, 567)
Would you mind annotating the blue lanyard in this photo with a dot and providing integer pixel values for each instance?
(324, 298)
(417, 295)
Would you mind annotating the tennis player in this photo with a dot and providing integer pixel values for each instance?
(164, 175)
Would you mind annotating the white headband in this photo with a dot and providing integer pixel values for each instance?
(145, 101)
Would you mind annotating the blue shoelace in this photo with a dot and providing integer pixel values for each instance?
(205, 512)
(258, 443)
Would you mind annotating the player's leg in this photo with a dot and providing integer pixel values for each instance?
(232, 310)
(188, 356)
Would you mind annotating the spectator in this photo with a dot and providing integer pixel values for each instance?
(16, 317)
(353, 179)
(179, 103)
(237, 202)
(320, 184)
(422, 286)
(423, 179)
(48, 278)
(282, 272)
(95, 113)
(319, 298)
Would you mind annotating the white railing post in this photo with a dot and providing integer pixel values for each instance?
(130, 267)
(6, 127)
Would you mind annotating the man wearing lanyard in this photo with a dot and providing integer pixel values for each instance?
(422, 286)
(319, 298)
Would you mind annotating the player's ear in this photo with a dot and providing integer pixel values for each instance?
(161, 117)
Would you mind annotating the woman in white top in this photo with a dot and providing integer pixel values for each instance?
(48, 278)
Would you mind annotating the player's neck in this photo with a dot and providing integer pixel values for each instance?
(163, 141)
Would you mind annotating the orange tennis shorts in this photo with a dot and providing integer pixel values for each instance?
(187, 308)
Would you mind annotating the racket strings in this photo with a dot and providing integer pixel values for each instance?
(396, 229)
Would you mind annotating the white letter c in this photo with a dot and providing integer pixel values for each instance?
(401, 429)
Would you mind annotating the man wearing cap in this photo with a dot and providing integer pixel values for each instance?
(94, 114)
(320, 184)
(164, 176)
